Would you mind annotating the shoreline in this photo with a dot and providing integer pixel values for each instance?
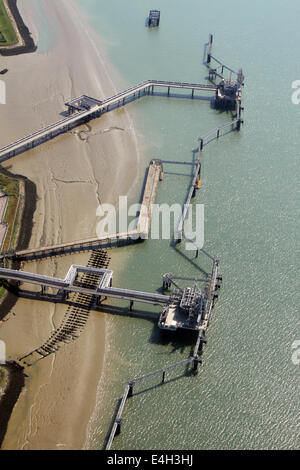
(13, 388)
(85, 176)
(27, 209)
(25, 43)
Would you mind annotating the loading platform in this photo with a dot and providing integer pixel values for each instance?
(185, 308)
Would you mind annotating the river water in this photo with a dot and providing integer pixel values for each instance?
(246, 393)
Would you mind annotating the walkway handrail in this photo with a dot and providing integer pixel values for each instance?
(161, 371)
(231, 123)
(128, 392)
(106, 102)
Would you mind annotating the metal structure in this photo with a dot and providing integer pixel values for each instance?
(83, 109)
(154, 18)
(186, 307)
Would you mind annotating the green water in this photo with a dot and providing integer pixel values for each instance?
(246, 394)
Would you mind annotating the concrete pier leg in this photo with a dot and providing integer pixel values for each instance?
(193, 92)
(131, 387)
(168, 91)
(119, 422)
(201, 144)
(131, 305)
(152, 89)
(195, 364)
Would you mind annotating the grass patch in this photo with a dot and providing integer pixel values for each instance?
(11, 187)
(2, 378)
(2, 292)
(8, 35)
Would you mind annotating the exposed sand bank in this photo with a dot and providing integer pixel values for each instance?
(72, 178)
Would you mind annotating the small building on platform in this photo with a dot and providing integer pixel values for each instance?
(154, 18)
(227, 95)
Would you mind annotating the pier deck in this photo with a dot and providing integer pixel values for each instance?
(96, 109)
(66, 286)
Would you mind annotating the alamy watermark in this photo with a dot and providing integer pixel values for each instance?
(296, 352)
(296, 93)
(133, 221)
(2, 352)
(2, 92)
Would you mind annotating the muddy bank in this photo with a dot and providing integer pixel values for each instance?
(16, 381)
(25, 231)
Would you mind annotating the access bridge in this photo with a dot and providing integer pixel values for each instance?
(85, 108)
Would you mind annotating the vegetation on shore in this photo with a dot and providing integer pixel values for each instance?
(11, 187)
(8, 35)
(3, 380)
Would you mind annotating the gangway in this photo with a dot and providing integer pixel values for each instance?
(96, 109)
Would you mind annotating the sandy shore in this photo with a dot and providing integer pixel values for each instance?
(72, 178)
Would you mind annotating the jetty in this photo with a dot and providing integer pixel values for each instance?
(187, 307)
(82, 109)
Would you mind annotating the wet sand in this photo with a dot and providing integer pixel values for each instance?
(72, 178)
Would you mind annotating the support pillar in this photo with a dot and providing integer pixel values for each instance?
(119, 422)
(168, 91)
(196, 362)
(193, 91)
(163, 377)
(201, 144)
(131, 305)
(131, 387)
